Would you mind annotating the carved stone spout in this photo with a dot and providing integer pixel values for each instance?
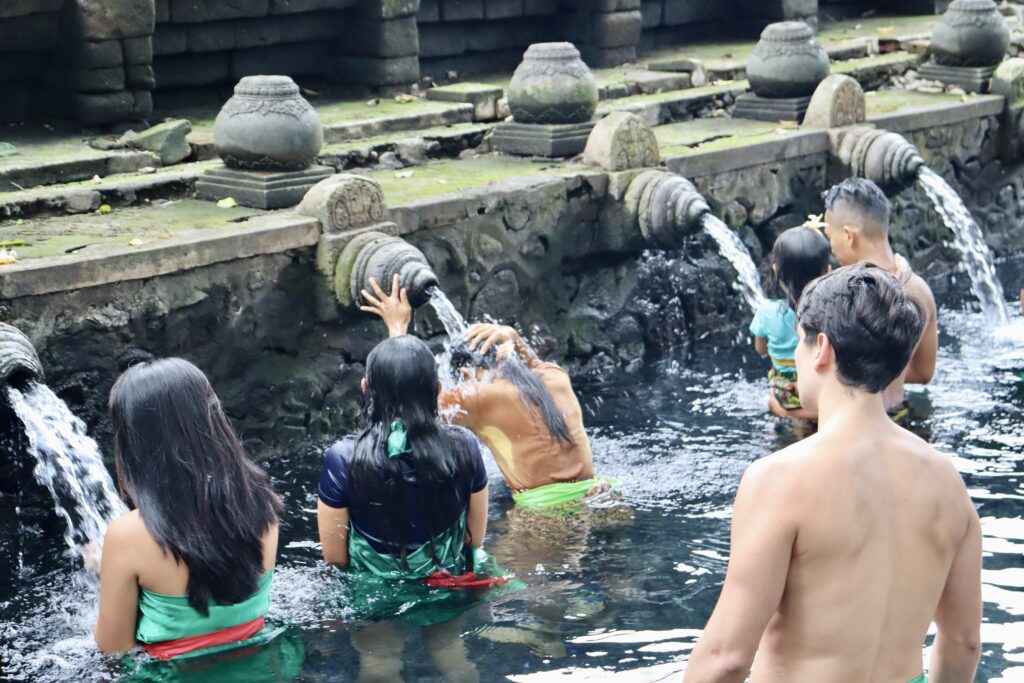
(886, 158)
(381, 256)
(665, 207)
(18, 359)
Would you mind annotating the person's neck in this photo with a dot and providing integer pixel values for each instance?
(880, 254)
(840, 405)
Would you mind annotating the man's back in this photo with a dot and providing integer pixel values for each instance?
(922, 363)
(882, 519)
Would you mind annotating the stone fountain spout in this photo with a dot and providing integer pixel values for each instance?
(665, 207)
(884, 157)
(19, 362)
(382, 256)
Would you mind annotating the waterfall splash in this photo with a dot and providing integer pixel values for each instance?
(732, 248)
(968, 240)
(68, 464)
(455, 326)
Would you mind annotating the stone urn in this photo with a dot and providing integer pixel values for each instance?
(267, 126)
(970, 33)
(787, 61)
(19, 362)
(552, 85)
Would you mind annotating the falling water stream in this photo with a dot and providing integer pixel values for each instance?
(969, 241)
(68, 463)
(732, 248)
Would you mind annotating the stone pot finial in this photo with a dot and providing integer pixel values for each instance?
(382, 256)
(268, 126)
(787, 61)
(970, 33)
(552, 85)
(18, 359)
(621, 141)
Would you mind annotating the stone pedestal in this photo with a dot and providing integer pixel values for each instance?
(976, 79)
(260, 189)
(750, 106)
(541, 139)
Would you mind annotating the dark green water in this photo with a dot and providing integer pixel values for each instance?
(621, 594)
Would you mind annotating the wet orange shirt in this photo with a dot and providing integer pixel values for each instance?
(516, 434)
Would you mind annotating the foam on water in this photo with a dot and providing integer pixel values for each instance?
(732, 248)
(976, 258)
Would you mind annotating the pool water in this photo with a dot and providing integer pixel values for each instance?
(618, 594)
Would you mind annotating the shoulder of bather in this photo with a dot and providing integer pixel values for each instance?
(126, 530)
(778, 469)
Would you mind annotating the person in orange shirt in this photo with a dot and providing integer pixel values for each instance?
(524, 409)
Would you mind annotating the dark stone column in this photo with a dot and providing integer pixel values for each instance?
(380, 44)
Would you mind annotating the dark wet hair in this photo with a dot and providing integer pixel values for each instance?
(864, 199)
(401, 383)
(200, 496)
(798, 256)
(531, 390)
(871, 322)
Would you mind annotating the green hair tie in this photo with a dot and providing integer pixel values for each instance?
(398, 443)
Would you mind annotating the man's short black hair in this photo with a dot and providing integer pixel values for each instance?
(870, 320)
(863, 200)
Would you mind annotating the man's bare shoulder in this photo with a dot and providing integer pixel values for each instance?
(782, 469)
(916, 287)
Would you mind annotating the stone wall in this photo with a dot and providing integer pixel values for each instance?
(29, 37)
(668, 22)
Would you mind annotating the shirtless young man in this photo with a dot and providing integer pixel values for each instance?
(847, 545)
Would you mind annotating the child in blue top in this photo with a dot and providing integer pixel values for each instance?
(798, 256)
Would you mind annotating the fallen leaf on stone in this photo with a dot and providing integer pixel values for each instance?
(786, 123)
(7, 149)
(97, 179)
(137, 242)
(886, 29)
(402, 98)
(147, 169)
(13, 243)
(440, 181)
(7, 257)
(227, 203)
(104, 209)
(373, 103)
(307, 91)
(404, 174)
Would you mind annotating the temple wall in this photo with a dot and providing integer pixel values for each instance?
(29, 37)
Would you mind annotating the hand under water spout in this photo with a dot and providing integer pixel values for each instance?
(92, 554)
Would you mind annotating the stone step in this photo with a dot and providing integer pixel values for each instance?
(444, 142)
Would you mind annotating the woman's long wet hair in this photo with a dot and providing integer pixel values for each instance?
(798, 256)
(181, 464)
(401, 383)
(531, 390)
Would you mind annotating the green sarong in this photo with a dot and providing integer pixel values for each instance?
(559, 493)
(920, 679)
(379, 586)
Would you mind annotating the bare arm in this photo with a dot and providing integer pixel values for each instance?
(394, 308)
(332, 524)
(922, 363)
(795, 413)
(763, 534)
(958, 617)
(761, 346)
(477, 518)
(119, 590)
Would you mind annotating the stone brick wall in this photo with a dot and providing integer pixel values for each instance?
(481, 36)
(668, 22)
(29, 36)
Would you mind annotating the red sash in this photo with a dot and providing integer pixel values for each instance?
(179, 646)
(469, 580)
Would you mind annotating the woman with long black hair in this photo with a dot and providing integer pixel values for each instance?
(188, 570)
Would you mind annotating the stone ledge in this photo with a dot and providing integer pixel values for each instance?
(932, 115)
(370, 127)
(798, 144)
(109, 265)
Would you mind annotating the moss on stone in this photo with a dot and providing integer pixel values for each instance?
(468, 87)
(434, 133)
(873, 61)
(687, 94)
(60, 235)
(890, 101)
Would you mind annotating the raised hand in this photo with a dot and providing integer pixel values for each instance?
(482, 336)
(393, 308)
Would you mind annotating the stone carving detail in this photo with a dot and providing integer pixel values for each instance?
(344, 202)
(381, 256)
(787, 61)
(18, 359)
(664, 207)
(552, 85)
(886, 158)
(621, 141)
(268, 126)
(838, 101)
(970, 33)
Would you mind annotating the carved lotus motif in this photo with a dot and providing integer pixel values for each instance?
(552, 85)
(970, 33)
(787, 61)
(268, 126)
